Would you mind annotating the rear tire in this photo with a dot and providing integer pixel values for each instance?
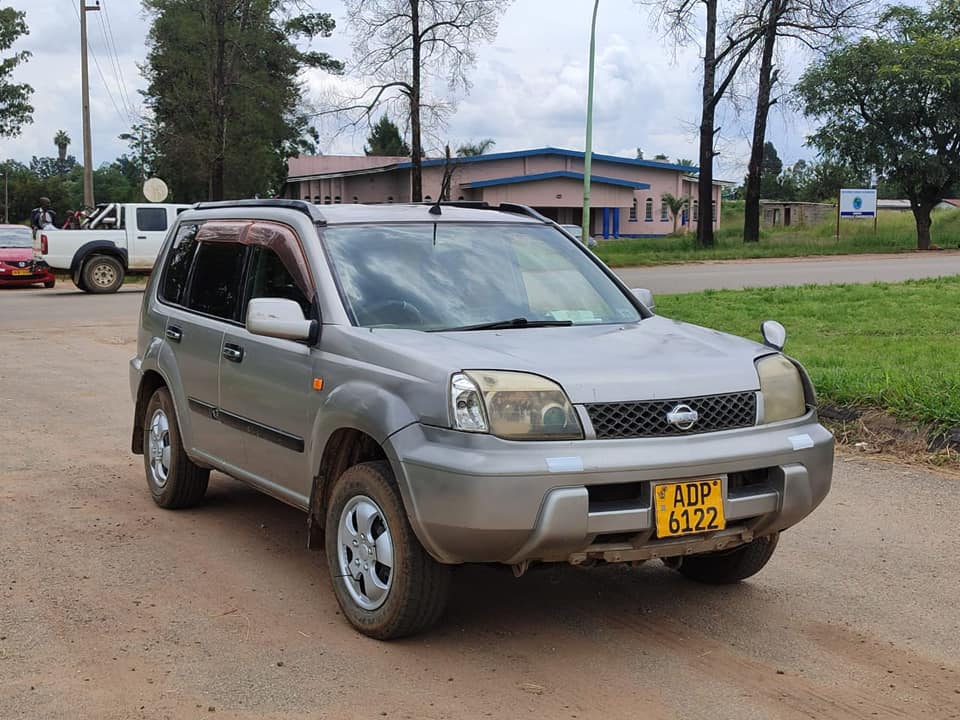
(385, 582)
(730, 566)
(102, 274)
(174, 480)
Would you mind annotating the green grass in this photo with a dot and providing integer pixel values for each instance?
(896, 233)
(892, 347)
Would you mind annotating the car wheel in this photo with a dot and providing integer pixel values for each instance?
(102, 274)
(385, 582)
(49, 284)
(730, 566)
(174, 480)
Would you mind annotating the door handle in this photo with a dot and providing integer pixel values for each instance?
(174, 333)
(141, 237)
(233, 353)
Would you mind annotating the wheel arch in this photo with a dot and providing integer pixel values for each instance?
(98, 247)
(151, 381)
(345, 447)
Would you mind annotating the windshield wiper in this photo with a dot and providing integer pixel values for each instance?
(520, 322)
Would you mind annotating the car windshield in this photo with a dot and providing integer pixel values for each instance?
(448, 276)
(16, 238)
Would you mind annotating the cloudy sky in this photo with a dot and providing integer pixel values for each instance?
(529, 86)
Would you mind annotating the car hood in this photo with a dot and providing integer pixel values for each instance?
(656, 358)
(15, 254)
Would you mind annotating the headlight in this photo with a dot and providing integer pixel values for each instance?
(781, 388)
(513, 406)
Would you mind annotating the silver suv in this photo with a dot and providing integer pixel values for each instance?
(436, 385)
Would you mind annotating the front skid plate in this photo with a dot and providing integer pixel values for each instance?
(624, 552)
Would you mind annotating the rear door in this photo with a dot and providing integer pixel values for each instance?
(202, 287)
(146, 229)
(266, 384)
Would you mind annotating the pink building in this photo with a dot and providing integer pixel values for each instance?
(626, 196)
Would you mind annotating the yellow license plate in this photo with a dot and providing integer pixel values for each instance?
(692, 506)
(20, 272)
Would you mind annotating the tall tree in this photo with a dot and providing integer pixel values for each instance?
(811, 22)
(739, 35)
(403, 45)
(224, 90)
(474, 149)
(62, 141)
(892, 103)
(15, 108)
(385, 140)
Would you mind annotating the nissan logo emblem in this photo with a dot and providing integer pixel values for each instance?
(683, 417)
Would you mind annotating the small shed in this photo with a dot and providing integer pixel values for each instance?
(780, 213)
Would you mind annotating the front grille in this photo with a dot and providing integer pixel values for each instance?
(649, 419)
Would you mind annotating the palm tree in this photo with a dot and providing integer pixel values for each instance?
(474, 149)
(676, 205)
(62, 141)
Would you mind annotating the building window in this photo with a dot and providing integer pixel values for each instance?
(664, 211)
(316, 199)
(307, 198)
(648, 210)
(713, 211)
(356, 199)
(461, 198)
(390, 199)
(326, 199)
(336, 200)
(428, 198)
(633, 211)
(696, 210)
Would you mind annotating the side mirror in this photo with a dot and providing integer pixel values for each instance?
(774, 334)
(646, 297)
(279, 318)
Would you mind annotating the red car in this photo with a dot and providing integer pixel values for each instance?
(18, 266)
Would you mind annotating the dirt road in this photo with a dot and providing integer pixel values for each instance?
(113, 608)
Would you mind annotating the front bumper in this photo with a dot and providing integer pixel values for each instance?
(39, 274)
(476, 498)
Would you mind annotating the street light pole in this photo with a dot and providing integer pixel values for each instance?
(85, 93)
(588, 149)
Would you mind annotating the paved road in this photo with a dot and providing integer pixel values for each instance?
(766, 273)
(111, 608)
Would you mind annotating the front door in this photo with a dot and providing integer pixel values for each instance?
(266, 384)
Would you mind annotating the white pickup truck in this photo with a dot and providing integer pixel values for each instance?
(117, 239)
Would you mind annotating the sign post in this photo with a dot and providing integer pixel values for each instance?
(857, 203)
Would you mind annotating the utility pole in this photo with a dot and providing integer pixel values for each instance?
(85, 92)
(588, 150)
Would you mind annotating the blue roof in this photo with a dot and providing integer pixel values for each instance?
(556, 174)
(557, 151)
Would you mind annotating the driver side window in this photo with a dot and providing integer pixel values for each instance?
(269, 278)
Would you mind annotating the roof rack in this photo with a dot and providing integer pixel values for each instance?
(514, 208)
(308, 209)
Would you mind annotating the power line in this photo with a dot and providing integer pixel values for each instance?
(116, 55)
(103, 79)
(114, 68)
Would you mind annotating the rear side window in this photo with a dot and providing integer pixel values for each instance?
(215, 287)
(152, 219)
(178, 265)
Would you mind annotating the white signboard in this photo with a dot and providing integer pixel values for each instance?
(858, 203)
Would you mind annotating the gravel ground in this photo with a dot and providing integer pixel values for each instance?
(113, 608)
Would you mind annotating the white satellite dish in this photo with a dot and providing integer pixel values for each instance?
(155, 190)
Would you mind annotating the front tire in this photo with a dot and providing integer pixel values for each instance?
(730, 566)
(174, 480)
(385, 582)
(102, 274)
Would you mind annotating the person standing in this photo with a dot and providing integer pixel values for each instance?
(43, 217)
